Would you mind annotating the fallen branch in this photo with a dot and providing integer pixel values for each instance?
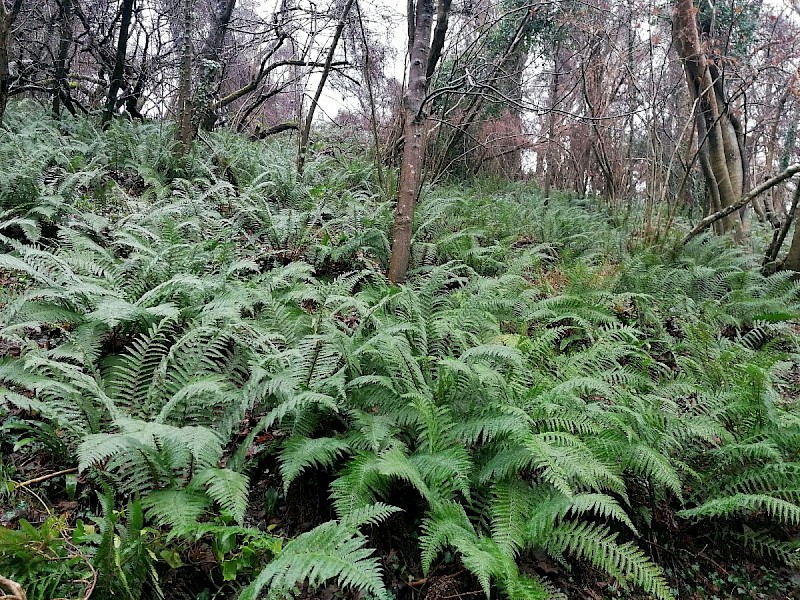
(790, 171)
(17, 593)
(260, 134)
(41, 479)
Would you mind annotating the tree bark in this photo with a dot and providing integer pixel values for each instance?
(7, 18)
(61, 89)
(414, 134)
(185, 130)
(718, 132)
(792, 260)
(119, 62)
(212, 49)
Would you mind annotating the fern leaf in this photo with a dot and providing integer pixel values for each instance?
(227, 488)
(331, 551)
(597, 545)
(300, 452)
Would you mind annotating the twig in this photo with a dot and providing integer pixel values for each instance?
(462, 594)
(43, 478)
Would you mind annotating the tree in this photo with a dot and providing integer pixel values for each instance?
(423, 56)
(61, 93)
(185, 130)
(211, 61)
(326, 70)
(719, 131)
(119, 62)
(7, 18)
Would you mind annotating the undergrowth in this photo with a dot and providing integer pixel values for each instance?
(543, 386)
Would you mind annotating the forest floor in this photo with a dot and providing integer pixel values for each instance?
(209, 390)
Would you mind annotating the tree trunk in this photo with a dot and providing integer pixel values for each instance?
(61, 88)
(551, 125)
(792, 260)
(414, 134)
(367, 61)
(185, 129)
(5, 77)
(7, 18)
(119, 62)
(773, 204)
(211, 73)
(718, 132)
(326, 70)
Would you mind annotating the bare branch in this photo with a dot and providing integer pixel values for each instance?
(790, 171)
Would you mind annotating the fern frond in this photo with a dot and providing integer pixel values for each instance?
(597, 545)
(780, 510)
(331, 551)
(227, 488)
(300, 452)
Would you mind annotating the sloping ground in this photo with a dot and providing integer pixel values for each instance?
(236, 401)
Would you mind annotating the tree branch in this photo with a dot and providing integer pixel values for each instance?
(790, 171)
(275, 129)
(44, 478)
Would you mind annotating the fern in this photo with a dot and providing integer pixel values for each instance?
(596, 544)
(331, 551)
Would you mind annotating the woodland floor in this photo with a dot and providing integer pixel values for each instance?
(671, 371)
(696, 565)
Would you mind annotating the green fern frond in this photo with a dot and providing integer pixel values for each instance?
(359, 484)
(780, 510)
(178, 509)
(227, 488)
(300, 452)
(331, 551)
(597, 545)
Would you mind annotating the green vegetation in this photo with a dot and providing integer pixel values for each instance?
(210, 355)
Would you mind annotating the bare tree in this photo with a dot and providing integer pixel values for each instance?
(7, 18)
(420, 24)
(326, 70)
(119, 61)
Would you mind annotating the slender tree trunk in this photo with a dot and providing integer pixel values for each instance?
(551, 124)
(780, 234)
(185, 129)
(773, 204)
(371, 97)
(119, 62)
(414, 134)
(61, 88)
(7, 18)
(326, 70)
(792, 260)
(211, 73)
(5, 77)
(724, 157)
(474, 106)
